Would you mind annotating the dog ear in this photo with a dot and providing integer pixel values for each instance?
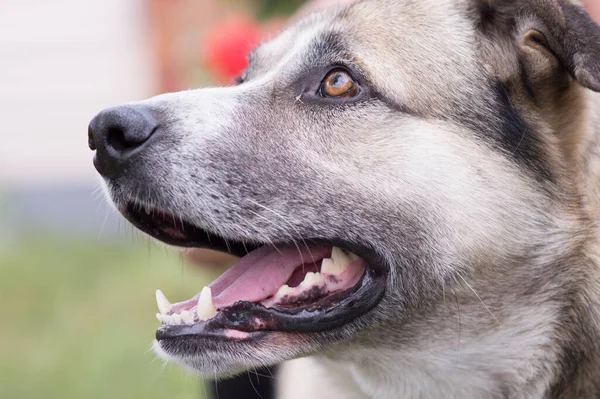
(553, 36)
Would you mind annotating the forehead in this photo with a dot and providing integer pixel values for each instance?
(309, 42)
(418, 53)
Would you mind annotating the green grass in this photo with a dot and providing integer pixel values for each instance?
(77, 320)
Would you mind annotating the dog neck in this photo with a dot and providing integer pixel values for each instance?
(531, 331)
(527, 354)
(540, 340)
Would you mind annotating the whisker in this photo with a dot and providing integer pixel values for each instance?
(252, 384)
(227, 245)
(100, 203)
(164, 366)
(276, 225)
(181, 221)
(459, 328)
(149, 254)
(264, 375)
(149, 349)
(292, 226)
(478, 297)
(204, 388)
(108, 212)
(444, 297)
(97, 193)
(216, 385)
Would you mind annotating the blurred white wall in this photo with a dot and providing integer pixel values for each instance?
(62, 61)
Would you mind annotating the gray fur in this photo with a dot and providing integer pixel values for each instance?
(480, 205)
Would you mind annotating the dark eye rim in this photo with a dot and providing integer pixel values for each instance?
(242, 78)
(316, 94)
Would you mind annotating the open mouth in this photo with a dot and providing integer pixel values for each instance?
(312, 286)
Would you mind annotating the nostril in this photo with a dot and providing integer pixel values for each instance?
(119, 135)
(116, 139)
(116, 131)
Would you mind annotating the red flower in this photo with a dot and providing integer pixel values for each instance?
(228, 45)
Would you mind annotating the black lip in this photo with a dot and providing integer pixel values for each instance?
(194, 236)
(253, 318)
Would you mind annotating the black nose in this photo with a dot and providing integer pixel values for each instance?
(117, 134)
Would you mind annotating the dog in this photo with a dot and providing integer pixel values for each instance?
(413, 189)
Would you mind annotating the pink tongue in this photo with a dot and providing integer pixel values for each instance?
(259, 274)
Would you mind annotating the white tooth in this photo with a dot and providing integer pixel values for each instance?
(164, 306)
(340, 259)
(187, 317)
(284, 290)
(328, 267)
(164, 319)
(307, 279)
(352, 256)
(205, 309)
(176, 318)
(147, 209)
(312, 279)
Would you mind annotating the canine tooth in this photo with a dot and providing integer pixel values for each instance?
(312, 279)
(328, 267)
(338, 262)
(339, 257)
(187, 317)
(164, 306)
(205, 308)
(147, 209)
(284, 290)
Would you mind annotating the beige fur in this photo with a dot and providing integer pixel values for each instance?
(469, 171)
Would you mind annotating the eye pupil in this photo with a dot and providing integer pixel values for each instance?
(339, 84)
(340, 79)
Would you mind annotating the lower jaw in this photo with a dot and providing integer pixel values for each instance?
(247, 320)
(213, 357)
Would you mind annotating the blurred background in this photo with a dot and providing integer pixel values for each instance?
(76, 282)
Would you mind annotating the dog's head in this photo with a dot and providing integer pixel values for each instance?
(371, 159)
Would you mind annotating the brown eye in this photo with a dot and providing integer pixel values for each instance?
(339, 84)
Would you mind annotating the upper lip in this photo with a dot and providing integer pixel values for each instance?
(144, 218)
